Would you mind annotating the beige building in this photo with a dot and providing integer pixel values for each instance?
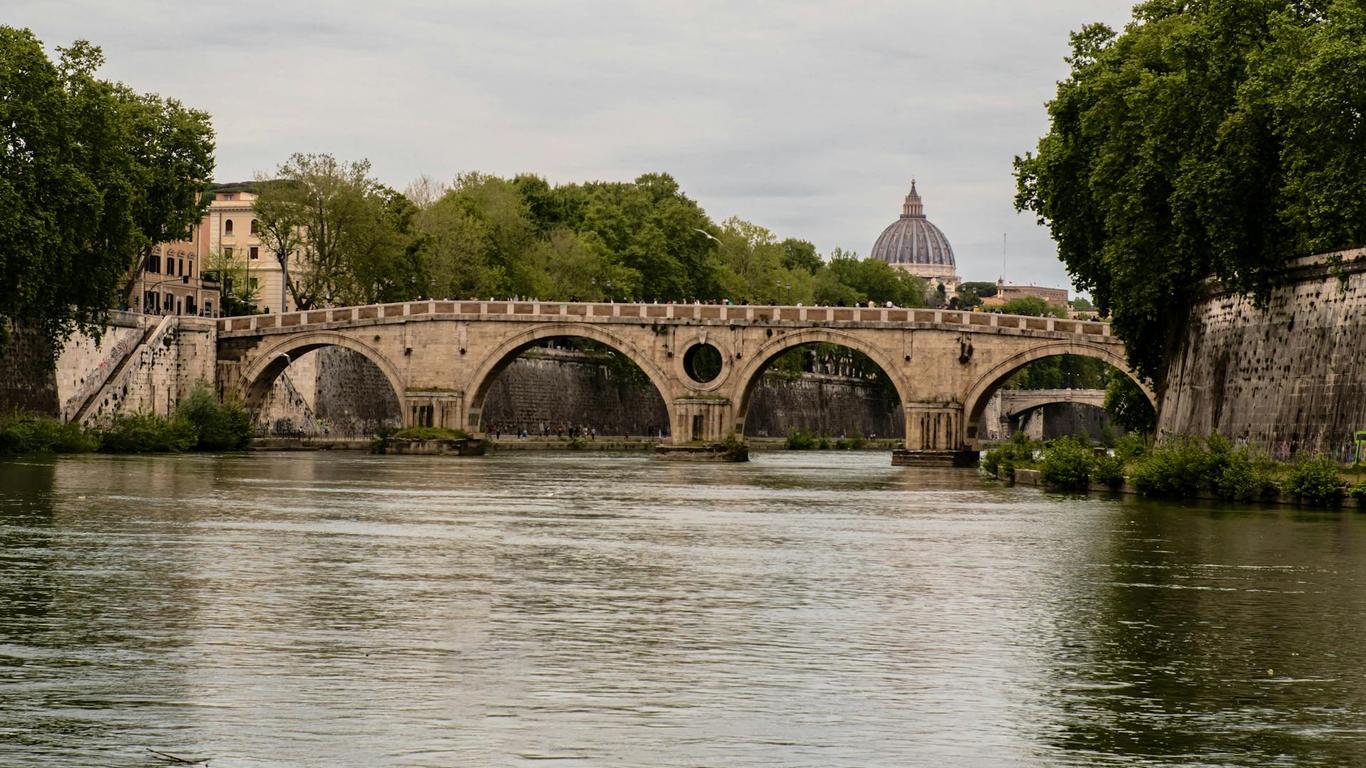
(1006, 292)
(171, 283)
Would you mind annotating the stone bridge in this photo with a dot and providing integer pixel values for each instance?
(1016, 401)
(441, 356)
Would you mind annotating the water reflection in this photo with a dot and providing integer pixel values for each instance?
(806, 610)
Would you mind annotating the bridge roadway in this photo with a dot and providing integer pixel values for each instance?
(441, 356)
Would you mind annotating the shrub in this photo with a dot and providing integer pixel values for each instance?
(33, 433)
(220, 426)
(1358, 492)
(1315, 481)
(148, 433)
(1245, 478)
(735, 448)
(1005, 457)
(427, 433)
(801, 440)
(1131, 446)
(1108, 470)
(1067, 465)
(1176, 468)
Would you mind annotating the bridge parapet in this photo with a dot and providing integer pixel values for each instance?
(659, 314)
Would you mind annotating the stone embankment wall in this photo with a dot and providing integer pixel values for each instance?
(548, 388)
(331, 391)
(1289, 377)
(27, 380)
(175, 354)
(140, 363)
(826, 405)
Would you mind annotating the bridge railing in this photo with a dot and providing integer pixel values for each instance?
(699, 312)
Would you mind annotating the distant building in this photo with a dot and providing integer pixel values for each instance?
(171, 283)
(912, 243)
(1006, 292)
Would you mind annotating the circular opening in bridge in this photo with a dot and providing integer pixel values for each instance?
(702, 362)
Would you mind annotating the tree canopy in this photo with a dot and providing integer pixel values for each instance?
(1211, 138)
(484, 235)
(92, 174)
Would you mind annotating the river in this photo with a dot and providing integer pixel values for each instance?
(544, 609)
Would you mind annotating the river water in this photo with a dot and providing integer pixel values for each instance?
(581, 609)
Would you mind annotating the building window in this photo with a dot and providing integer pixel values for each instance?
(154, 262)
(227, 252)
(251, 284)
(182, 267)
(168, 307)
(253, 252)
(208, 308)
(191, 272)
(255, 227)
(227, 226)
(228, 195)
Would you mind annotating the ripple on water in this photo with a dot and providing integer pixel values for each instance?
(804, 609)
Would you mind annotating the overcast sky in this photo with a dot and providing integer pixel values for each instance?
(807, 118)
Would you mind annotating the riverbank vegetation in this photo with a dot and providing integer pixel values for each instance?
(199, 423)
(1181, 468)
(802, 439)
(1207, 139)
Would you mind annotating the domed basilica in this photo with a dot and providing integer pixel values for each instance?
(914, 244)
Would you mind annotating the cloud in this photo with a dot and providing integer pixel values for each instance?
(808, 118)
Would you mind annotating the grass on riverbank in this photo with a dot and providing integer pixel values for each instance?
(200, 423)
(808, 440)
(1181, 468)
(428, 433)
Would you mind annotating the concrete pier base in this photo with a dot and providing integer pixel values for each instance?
(902, 457)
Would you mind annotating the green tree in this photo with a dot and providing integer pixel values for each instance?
(1033, 306)
(848, 279)
(1211, 138)
(981, 289)
(801, 255)
(92, 174)
(350, 233)
(1128, 406)
(236, 295)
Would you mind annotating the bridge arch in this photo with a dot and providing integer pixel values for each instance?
(986, 384)
(503, 355)
(1022, 401)
(273, 360)
(752, 373)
